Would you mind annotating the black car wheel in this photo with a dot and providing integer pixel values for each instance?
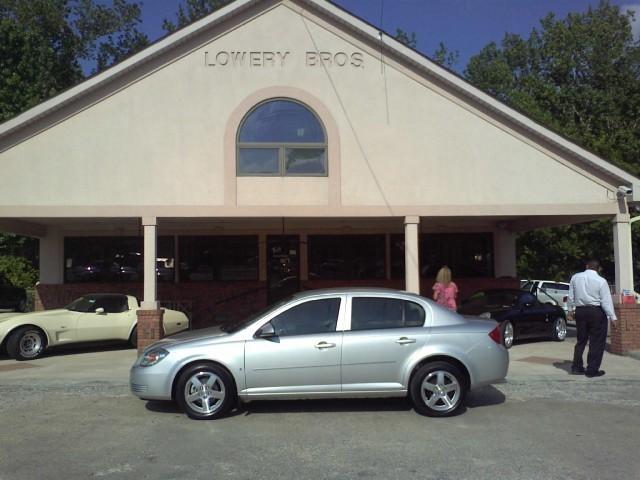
(205, 391)
(26, 343)
(559, 329)
(507, 334)
(438, 389)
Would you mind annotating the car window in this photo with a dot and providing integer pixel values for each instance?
(527, 298)
(111, 304)
(502, 298)
(315, 316)
(527, 286)
(371, 313)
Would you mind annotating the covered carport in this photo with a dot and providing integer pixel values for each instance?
(151, 151)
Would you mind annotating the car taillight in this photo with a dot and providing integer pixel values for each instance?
(496, 335)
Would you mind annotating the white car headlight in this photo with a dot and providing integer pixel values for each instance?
(152, 357)
(485, 315)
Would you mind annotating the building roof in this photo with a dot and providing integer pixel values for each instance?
(389, 45)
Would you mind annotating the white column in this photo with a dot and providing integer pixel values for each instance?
(622, 252)
(411, 255)
(52, 258)
(150, 300)
(504, 251)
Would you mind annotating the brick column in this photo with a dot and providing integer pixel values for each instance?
(627, 336)
(149, 327)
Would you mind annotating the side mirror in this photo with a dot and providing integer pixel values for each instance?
(267, 331)
(99, 311)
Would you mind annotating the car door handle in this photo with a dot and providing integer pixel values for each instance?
(322, 345)
(405, 340)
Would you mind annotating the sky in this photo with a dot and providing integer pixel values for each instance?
(462, 25)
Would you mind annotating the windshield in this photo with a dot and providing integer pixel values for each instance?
(237, 325)
(82, 304)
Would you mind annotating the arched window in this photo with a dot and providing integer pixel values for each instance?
(281, 138)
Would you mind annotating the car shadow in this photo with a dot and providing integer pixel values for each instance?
(86, 348)
(482, 397)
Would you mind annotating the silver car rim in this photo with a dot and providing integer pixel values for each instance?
(440, 391)
(561, 329)
(204, 392)
(508, 335)
(30, 344)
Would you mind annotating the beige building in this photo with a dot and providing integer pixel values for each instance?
(279, 145)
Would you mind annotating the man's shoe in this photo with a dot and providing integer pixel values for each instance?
(599, 373)
(577, 370)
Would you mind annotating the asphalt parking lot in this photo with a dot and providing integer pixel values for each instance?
(70, 415)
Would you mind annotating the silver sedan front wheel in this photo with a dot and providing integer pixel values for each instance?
(205, 391)
(438, 389)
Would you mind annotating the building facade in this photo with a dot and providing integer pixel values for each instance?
(280, 145)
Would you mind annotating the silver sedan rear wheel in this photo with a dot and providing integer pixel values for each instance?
(205, 391)
(438, 389)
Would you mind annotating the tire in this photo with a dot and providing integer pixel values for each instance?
(216, 398)
(22, 305)
(26, 343)
(133, 338)
(507, 334)
(438, 389)
(559, 329)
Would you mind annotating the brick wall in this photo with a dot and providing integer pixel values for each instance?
(211, 303)
(626, 336)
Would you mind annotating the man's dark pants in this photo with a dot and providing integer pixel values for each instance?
(591, 325)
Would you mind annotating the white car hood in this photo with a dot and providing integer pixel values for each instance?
(27, 317)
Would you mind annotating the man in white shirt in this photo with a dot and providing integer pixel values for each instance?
(589, 295)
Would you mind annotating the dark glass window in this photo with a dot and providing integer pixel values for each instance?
(90, 303)
(371, 313)
(466, 254)
(315, 316)
(346, 257)
(281, 137)
(114, 259)
(208, 258)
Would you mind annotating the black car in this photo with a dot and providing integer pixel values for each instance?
(12, 298)
(521, 314)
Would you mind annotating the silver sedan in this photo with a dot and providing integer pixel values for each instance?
(327, 344)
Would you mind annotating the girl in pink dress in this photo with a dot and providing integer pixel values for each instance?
(444, 290)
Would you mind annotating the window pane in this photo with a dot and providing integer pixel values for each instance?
(413, 315)
(316, 316)
(281, 121)
(209, 258)
(346, 257)
(305, 161)
(263, 161)
(114, 259)
(374, 313)
(467, 254)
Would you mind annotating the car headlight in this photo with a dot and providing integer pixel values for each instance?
(152, 357)
(485, 315)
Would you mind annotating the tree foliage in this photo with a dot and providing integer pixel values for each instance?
(192, 10)
(18, 270)
(45, 43)
(580, 76)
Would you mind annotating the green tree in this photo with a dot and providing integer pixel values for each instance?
(442, 55)
(44, 43)
(579, 76)
(18, 270)
(192, 10)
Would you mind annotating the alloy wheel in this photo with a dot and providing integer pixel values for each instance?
(441, 391)
(204, 392)
(30, 344)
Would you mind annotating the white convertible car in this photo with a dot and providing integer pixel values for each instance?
(91, 318)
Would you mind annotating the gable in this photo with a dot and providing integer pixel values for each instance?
(399, 139)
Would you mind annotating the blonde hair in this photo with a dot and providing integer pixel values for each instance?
(444, 276)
